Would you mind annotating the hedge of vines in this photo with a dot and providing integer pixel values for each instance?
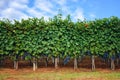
(60, 37)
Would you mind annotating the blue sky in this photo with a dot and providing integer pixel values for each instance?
(78, 9)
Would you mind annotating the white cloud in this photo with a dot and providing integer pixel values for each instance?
(21, 1)
(78, 14)
(44, 5)
(17, 5)
(92, 16)
(34, 12)
(17, 9)
(2, 3)
(12, 9)
(60, 2)
(13, 14)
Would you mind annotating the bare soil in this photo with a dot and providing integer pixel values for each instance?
(25, 67)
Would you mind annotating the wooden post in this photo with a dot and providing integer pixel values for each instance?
(75, 63)
(56, 63)
(93, 62)
(53, 60)
(112, 64)
(34, 64)
(16, 64)
(34, 68)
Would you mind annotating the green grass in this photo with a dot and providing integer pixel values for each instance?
(61, 75)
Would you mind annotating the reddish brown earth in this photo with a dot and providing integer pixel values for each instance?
(85, 63)
(84, 66)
